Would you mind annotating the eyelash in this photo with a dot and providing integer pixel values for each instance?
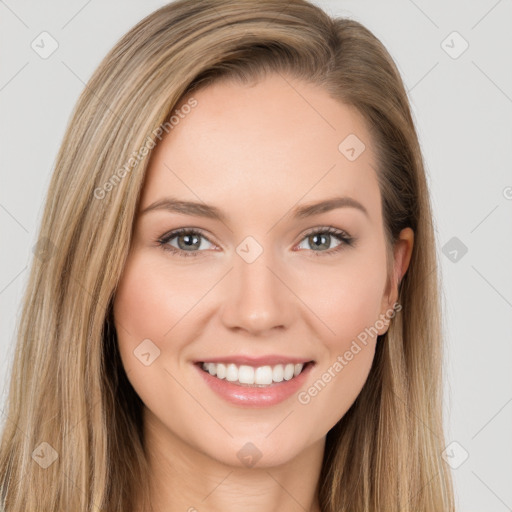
(340, 235)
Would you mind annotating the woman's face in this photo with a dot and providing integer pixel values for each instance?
(253, 281)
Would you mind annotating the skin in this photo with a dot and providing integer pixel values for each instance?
(256, 152)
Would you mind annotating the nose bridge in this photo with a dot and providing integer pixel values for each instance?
(257, 299)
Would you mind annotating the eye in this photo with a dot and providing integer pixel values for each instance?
(322, 238)
(187, 239)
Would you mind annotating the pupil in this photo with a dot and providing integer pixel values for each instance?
(318, 237)
(189, 243)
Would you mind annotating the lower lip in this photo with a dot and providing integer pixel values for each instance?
(255, 396)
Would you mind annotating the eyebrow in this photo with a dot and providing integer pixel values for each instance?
(174, 205)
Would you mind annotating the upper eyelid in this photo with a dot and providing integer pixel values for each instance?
(175, 232)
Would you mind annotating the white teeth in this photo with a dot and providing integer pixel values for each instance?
(246, 375)
(263, 375)
(260, 376)
(231, 372)
(221, 370)
(288, 371)
(278, 373)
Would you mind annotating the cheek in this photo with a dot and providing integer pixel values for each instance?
(346, 297)
(347, 300)
(150, 304)
(139, 304)
(151, 301)
(142, 312)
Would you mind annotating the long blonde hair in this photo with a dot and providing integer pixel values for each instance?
(69, 397)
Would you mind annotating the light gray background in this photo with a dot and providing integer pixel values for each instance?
(463, 110)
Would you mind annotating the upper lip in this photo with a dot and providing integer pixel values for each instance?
(270, 360)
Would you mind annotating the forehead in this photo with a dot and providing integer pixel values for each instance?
(268, 146)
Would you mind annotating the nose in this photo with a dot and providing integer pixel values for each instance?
(257, 297)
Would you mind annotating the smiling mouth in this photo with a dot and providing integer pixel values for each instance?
(249, 376)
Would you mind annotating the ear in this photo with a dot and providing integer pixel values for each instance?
(402, 252)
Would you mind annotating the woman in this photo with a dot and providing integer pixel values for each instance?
(258, 371)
